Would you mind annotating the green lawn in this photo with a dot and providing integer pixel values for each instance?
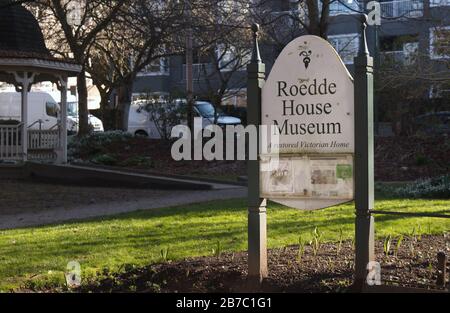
(39, 255)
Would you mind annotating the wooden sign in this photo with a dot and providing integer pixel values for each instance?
(308, 100)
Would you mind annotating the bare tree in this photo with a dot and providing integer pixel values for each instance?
(143, 32)
(72, 27)
(224, 40)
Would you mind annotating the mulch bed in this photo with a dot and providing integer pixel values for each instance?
(410, 158)
(396, 158)
(329, 271)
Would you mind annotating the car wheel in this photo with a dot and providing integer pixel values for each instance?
(141, 133)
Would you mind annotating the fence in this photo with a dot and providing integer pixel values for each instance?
(10, 142)
(42, 144)
(43, 139)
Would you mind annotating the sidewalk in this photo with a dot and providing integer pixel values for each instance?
(166, 199)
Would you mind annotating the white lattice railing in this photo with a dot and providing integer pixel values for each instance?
(43, 139)
(42, 144)
(10, 142)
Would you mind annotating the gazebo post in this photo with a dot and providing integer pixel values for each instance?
(62, 86)
(25, 81)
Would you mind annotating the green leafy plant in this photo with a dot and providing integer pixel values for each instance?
(419, 232)
(387, 245)
(412, 246)
(105, 159)
(341, 239)
(217, 251)
(430, 269)
(301, 249)
(164, 253)
(422, 160)
(138, 161)
(316, 241)
(398, 245)
(436, 188)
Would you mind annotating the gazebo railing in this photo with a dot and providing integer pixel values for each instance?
(42, 144)
(43, 139)
(10, 142)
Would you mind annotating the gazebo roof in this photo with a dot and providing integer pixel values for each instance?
(20, 34)
(22, 45)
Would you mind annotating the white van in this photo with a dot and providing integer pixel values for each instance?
(72, 114)
(141, 124)
(43, 110)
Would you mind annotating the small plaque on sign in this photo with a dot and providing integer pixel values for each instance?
(319, 177)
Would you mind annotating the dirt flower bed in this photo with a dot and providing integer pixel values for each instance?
(151, 155)
(412, 265)
(411, 158)
(396, 158)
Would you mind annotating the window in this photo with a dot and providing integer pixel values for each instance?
(157, 67)
(440, 42)
(346, 45)
(51, 109)
(343, 7)
(437, 3)
(231, 59)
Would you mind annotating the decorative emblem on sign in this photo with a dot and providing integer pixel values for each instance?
(306, 57)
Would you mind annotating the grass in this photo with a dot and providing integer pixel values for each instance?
(39, 256)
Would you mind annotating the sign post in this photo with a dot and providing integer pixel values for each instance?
(364, 160)
(257, 237)
(322, 153)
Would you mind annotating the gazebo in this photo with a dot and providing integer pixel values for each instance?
(24, 61)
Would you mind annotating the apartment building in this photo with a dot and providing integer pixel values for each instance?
(408, 27)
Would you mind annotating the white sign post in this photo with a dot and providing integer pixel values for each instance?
(309, 99)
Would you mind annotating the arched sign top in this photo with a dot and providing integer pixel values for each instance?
(309, 48)
(308, 96)
(308, 99)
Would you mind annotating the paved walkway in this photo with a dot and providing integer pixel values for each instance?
(172, 198)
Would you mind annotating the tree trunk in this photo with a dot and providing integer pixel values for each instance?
(216, 101)
(123, 108)
(106, 111)
(83, 112)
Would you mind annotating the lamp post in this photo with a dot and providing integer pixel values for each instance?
(189, 61)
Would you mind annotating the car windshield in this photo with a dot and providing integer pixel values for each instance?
(72, 108)
(206, 109)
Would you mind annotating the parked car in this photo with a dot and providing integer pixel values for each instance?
(140, 120)
(43, 110)
(212, 115)
(72, 115)
(435, 123)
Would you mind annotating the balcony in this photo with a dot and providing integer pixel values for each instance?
(344, 7)
(397, 57)
(402, 8)
(200, 71)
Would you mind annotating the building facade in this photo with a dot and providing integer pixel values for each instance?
(408, 28)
